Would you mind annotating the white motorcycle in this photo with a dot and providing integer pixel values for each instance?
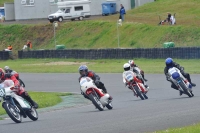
(96, 95)
(177, 78)
(14, 105)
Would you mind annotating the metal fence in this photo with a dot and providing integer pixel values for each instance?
(154, 53)
(4, 55)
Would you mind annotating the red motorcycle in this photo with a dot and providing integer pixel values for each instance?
(135, 84)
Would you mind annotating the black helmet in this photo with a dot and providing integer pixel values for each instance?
(83, 70)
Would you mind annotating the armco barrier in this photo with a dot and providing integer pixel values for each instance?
(180, 53)
(4, 55)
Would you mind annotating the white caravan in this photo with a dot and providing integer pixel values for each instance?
(71, 10)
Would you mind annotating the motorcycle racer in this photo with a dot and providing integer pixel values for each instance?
(169, 64)
(19, 89)
(136, 69)
(127, 67)
(83, 70)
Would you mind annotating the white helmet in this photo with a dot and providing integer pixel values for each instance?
(6, 68)
(127, 67)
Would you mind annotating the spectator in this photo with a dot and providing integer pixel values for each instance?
(28, 45)
(9, 48)
(168, 17)
(122, 12)
(2, 17)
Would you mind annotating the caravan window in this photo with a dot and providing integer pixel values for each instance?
(27, 2)
(78, 8)
(67, 11)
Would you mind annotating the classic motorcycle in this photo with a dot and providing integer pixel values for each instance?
(135, 84)
(96, 95)
(14, 105)
(177, 78)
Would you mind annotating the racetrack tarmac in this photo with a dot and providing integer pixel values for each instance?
(164, 108)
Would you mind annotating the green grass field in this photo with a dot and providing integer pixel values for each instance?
(44, 99)
(99, 66)
(195, 128)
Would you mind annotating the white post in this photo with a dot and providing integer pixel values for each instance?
(55, 24)
(118, 33)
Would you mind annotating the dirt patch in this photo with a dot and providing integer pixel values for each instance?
(59, 63)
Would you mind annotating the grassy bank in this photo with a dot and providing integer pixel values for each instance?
(140, 29)
(195, 128)
(99, 66)
(44, 99)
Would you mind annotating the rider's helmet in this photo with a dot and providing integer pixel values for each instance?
(83, 70)
(6, 68)
(127, 67)
(131, 62)
(169, 62)
(2, 74)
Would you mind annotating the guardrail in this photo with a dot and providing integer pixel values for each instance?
(4, 55)
(180, 53)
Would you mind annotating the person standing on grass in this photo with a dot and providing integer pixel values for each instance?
(122, 12)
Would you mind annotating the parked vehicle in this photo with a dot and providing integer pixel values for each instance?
(14, 105)
(71, 10)
(135, 84)
(96, 95)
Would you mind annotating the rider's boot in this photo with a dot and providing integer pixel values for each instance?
(29, 99)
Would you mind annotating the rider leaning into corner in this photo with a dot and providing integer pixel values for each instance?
(19, 89)
(83, 70)
(169, 64)
(127, 67)
(137, 70)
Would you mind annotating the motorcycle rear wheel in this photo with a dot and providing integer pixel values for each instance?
(12, 113)
(109, 106)
(32, 114)
(138, 92)
(96, 102)
(186, 91)
(145, 96)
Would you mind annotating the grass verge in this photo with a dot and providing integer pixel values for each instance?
(44, 99)
(195, 128)
(99, 66)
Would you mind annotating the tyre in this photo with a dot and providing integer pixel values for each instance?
(72, 19)
(51, 21)
(60, 19)
(145, 96)
(138, 92)
(109, 106)
(21, 82)
(96, 102)
(12, 112)
(32, 114)
(80, 18)
(186, 91)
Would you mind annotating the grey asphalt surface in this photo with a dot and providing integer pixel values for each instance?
(164, 108)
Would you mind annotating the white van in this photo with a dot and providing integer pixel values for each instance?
(71, 10)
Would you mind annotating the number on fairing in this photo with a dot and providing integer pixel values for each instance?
(171, 71)
(2, 92)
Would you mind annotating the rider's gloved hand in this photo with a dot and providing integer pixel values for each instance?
(97, 82)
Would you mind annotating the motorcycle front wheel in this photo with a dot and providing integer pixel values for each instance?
(96, 102)
(12, 112)
(138, 92)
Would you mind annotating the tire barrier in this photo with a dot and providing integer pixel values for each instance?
(153, 53)
(4, 55)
